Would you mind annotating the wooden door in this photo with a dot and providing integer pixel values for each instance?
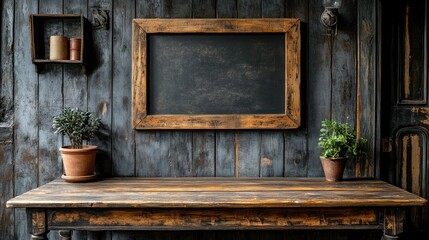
(404, 101)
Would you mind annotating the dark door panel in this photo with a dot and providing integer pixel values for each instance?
(404, 101)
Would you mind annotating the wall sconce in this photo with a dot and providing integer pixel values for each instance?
(329, 16)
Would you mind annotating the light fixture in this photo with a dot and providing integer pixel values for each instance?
(329, 16)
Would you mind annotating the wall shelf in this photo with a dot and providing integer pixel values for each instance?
(42, 26)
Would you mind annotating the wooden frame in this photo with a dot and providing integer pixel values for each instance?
(291, 118)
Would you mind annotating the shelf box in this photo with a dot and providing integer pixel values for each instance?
(44, 25)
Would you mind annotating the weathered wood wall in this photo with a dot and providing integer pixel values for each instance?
(28, 147)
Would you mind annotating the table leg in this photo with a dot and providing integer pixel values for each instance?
(43, 236)
(393, 223)
(387, 237)
(65, 234)
(36, 223)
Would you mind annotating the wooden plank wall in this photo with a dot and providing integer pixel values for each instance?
(29, 157)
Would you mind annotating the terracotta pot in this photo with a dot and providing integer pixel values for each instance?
(79, 162)
(333, 168)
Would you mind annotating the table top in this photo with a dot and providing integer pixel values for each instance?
(216, 193)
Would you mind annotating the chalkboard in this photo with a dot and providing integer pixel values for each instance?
(216, 73)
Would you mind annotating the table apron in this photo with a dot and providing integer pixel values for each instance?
(99, 219)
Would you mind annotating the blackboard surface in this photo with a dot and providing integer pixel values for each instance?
(216, 74)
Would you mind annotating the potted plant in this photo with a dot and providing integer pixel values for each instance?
(78, 159)
(338, 141)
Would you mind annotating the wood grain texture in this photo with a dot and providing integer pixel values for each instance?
(6, 63)
(249, 8)
(225, 153)
(249, 154)
(248, 144)
(100, 94)
(344, 81)
(6, 130)
(404, 28)
(225, 140)
(180, 154)
(272, 160)
(319, 205)
(203, 9)
(75, 93)
(100, 90)
(393, 221)
(123, 149)
(148, 9)
(295, 154)
(226, 8)
(50, 163)
(37, 223)
(367, 86)
(296, 142)
(221, 122)
(411, 155)
(123, 159)
(412, 82)
(180, 142)
(203, 142)
(319, 86)
(25, 150)
(177, 9)
(152, 147)
(272, 142)
(210, 192)
(220, 25)
(203, 154)
(213, 219)
(152, 154)
(273, 8)
(6, 189)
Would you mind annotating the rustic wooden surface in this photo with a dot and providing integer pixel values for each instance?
(123, 157)
(406, 98)
(26, 101)
(75, 90)
(6, 131)
(366, 99)
(213, 219)
(202, 203)
(216, 192)
(177, 153)
(100, 93)
(50, 164)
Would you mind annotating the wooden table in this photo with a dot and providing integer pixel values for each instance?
(215, 204)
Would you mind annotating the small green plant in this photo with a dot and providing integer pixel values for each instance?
(339, 139)
(77, 125)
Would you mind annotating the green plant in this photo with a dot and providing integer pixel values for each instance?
(77, 125)
(339, 139)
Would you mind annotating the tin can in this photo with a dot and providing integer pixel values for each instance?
(75, 44)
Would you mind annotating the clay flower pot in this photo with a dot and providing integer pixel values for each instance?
(333, 168)
(79, 162)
